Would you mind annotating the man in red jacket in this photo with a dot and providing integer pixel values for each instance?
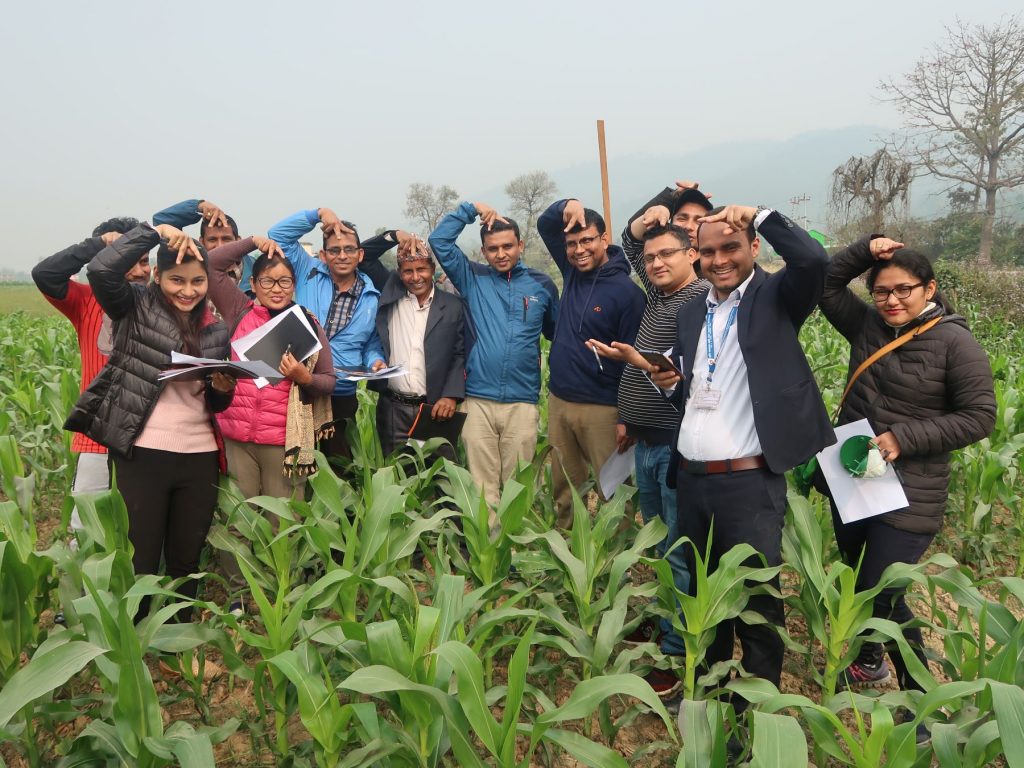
(73, 299)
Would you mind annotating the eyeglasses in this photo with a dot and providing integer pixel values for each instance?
(348, 250)
(881, 295)
(583, 242)
(663, 255)
(266, 283)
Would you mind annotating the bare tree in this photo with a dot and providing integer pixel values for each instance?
(964, 106)
(529, 194)
(870, 191)
(427, 204)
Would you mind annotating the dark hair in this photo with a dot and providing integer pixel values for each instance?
(751, 232)
(264, 262)
(351, 226)
(914, 263)
(675, 230)
(167, 258)
(509, 224)
(119, 224)
(591, 218)
(231, 223)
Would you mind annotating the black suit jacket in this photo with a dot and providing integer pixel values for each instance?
(443, 340)
(789, 416)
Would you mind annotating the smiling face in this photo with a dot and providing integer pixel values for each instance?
(183, 285)
(895, 311)
(726, 260)
(669, 265)
(587, 249)
(140, 271)
(502, 249)
(274, 287)
(342, 256)
(214, 237)
(417, 277)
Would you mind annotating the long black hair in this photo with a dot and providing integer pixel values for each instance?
(189, 325)
(914, 263)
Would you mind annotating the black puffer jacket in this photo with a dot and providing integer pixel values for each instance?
(116, 406)
(934, 393)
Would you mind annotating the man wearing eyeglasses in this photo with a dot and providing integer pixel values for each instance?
(342, 298)
(749, 407)
(599, 301)
(216, 228)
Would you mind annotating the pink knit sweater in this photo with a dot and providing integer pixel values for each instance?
(180, 421)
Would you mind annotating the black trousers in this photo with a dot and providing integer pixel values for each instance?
(344, 409)
(170, 499)
(394, 420)
(744, 507)
(883, 545)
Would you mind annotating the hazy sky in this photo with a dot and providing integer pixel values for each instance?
(264, 108)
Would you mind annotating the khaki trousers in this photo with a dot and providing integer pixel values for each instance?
(497, 436)
(258, 471)
(582, 436)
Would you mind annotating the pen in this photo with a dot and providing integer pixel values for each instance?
(287, 350)
(598, 358)
(526, 303)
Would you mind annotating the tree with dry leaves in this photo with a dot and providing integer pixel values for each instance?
(427, 204)
(963, 104)
(870, 191)
(529, 194)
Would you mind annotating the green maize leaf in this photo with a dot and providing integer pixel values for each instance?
(319, 708)
(584, 750)
(609, 631)
(136, 710)
(945, 745)
(105, 736)
(983, 745)
(1008, 702)
(469, 675)
(695, 730)
(588, 694)
(517, 669)
(779, 742)
(47, 670)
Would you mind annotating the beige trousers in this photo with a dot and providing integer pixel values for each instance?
(582, 436)
(497, 436)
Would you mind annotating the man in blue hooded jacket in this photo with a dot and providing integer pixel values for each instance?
(508, 307)
(599, 301)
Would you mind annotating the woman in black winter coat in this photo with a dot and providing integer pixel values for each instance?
(163, 439)
(923, 400)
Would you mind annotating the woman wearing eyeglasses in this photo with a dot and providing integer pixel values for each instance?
(270, 432)
(924, 399)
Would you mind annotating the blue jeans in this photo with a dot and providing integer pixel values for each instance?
(658, 500)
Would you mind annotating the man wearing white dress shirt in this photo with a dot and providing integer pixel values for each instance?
(750, 408)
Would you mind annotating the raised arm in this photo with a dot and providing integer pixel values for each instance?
(180, 215)
(53, 274)
(107, 271)
(551, 226)
(841, 306)
(376, 247)
(443, 242)
(225, 293)
(287, 234)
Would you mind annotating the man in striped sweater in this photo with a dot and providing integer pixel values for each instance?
(658, 245)
(75, 300)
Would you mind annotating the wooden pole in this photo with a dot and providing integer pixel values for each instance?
(604, 178)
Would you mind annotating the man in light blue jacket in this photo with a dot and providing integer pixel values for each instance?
(508, 307)
(341, 297)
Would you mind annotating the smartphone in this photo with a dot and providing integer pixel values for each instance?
(659, 359)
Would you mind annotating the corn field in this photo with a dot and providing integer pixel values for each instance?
(389, 624)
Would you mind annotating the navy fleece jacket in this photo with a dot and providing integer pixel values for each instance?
(603, 304)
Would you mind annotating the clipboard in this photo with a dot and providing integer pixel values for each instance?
(424, 426)
(659, 359)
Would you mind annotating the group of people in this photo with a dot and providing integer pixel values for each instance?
(677, 343)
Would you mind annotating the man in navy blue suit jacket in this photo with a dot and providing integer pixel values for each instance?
(749, 406)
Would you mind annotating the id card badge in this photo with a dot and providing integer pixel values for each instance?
(707, 399)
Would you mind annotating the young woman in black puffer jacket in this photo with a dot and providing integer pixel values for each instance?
(926, 398)
(163, 439)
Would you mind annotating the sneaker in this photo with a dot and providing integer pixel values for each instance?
(647, 631)
(863, 675)
(922, 736)
(237, 608)
(665, 682)
(59, 618)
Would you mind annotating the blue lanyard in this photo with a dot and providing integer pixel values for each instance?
(710, 336)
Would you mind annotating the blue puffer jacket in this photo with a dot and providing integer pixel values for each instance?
(603, 304)
(357, 344)
(506, 315)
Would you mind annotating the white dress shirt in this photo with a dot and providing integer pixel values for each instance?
(407, 326)
(725, 432)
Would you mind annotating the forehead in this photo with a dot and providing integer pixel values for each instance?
(276, 269)
(412, 266)
(187, 271)
(590, 231)
(690, 211)
(894, 276)
(661, 242)
(333, 240)
(218, 232)
(498, 239)
(713, 236)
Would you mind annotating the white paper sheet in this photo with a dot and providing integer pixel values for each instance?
(859, 497)
(383, 373)
(616, 470)
(244, 344)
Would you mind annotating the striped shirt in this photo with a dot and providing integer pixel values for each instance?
(646, 412)
(342, 306)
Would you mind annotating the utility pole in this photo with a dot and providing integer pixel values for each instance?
(801, 218)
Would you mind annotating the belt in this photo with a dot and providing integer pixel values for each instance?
(726, 465)
(398, 397)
